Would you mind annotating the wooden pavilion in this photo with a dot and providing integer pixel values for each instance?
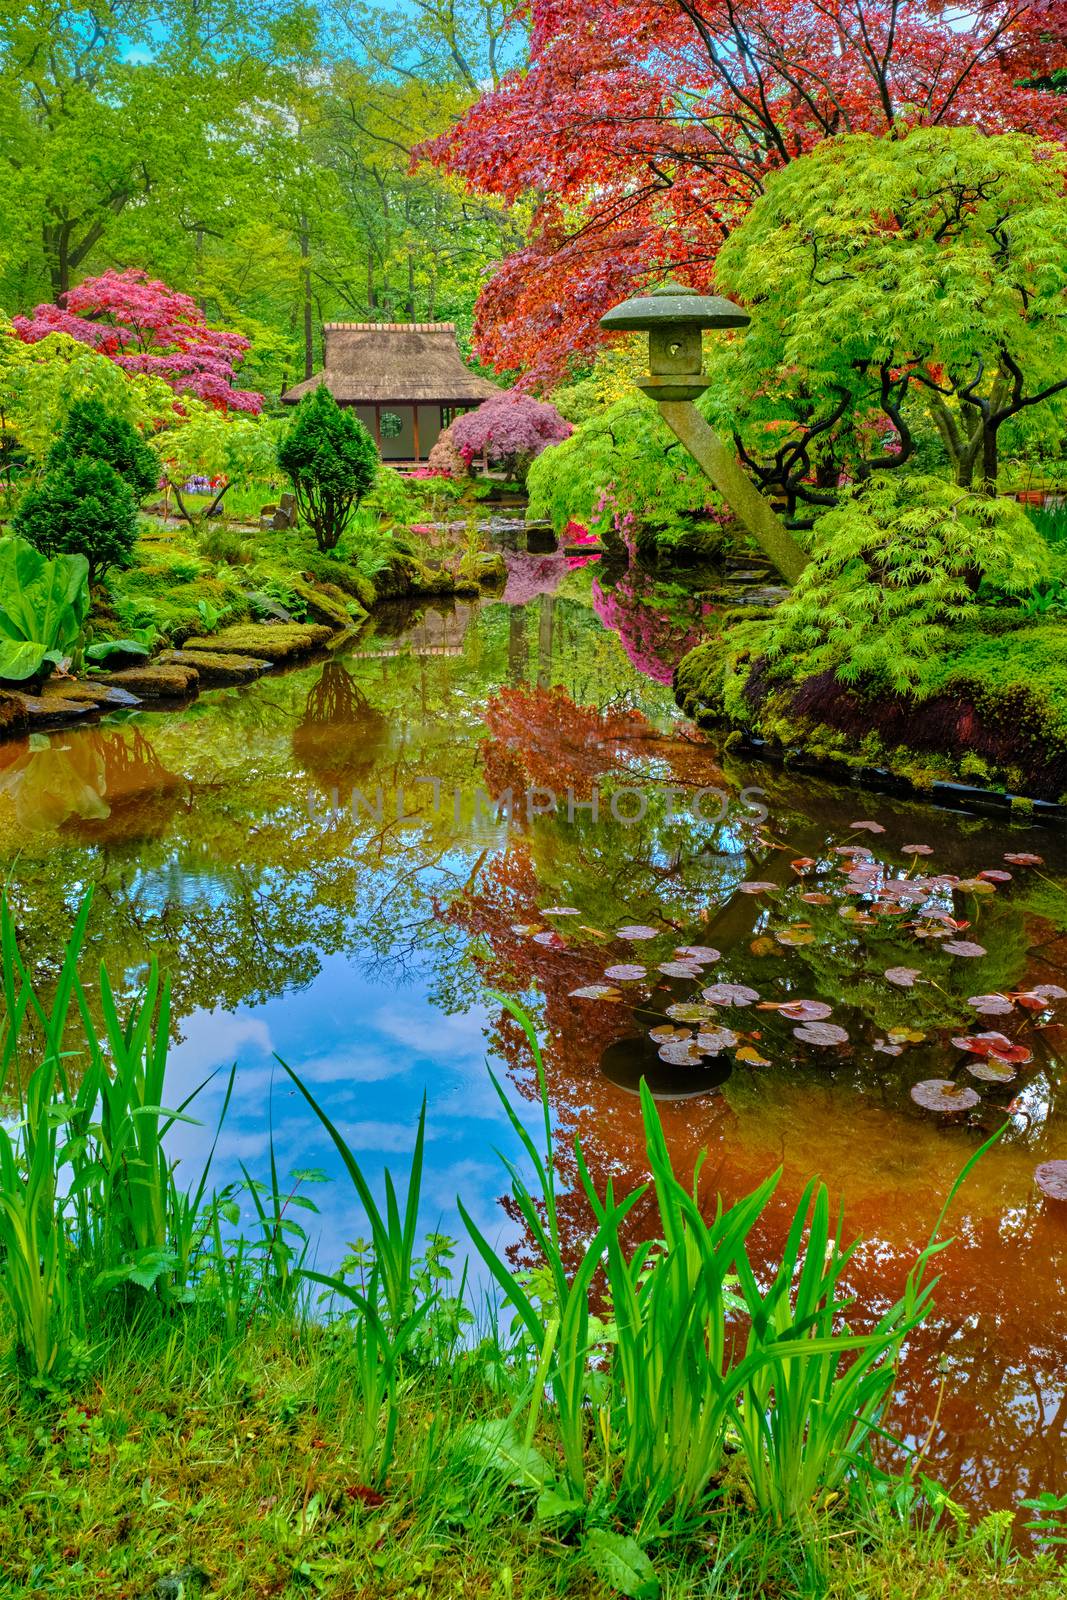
(405, 380)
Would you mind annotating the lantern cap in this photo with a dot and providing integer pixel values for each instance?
(675, 305)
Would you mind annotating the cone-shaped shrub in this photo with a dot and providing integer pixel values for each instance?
(81, 507)
(91, 430)
(332, 462)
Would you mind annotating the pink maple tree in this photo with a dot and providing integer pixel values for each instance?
(143, 326)
(510, 432)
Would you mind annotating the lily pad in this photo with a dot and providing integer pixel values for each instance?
(991, 1005)
(729, 994)
(635, 931)
(624, 973)
(1019, 858)
(703, 953)
(681, 1053)
(866, 827)
(752, 1057)
(1049, 991)
(596, 991)
(756, 887)
(991, 1071)
(665, 1035)
(549, 937)
(795, 936)
(806, 1010)
(691, 1011)
(560, 911)
(715, 1041)
(903, 977)
(888, 1049)
(964, 947)
(916, 850)
(1051, 1179)
(821, 1033)
(941, 1094)
(680, 969)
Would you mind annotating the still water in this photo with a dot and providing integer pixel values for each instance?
(337, 866)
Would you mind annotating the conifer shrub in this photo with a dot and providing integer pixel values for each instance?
(91, 430)
(894, 574)
(81, 507)
(331, 461)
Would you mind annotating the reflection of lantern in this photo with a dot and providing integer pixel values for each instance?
(392, 425)
(674, 316)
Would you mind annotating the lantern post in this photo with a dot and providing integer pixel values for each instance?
(674, 318)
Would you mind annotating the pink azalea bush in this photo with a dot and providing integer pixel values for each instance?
(143, 326)
(510, 432)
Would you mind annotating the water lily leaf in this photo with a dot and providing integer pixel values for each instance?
(976, 886)
(903, 977)
(550, 938)
(1051, 1179)
(996, 875)
(715, 1041)
(906, 1035)
(1019, 858)
(560, 911)
(888, 1049)
(764, 946)
(1048, 992)
(636, 931)
(624, 973)
(621, 1563)
(729, 994)
(691, 1011)
(596, 991)
(524, 929)
(681, 1053)
(816, 897)
(991, 1071)
(964, 947)
(791, 937)
(857, 917)
(866, 827)
(752, 1056)
(916, 850)
(821, 1033)
(805, 1010)
(941, 1094)
(702, 953)
(803, 864)
(991, 1005)
(680, 969)
(757, 888)
(664, 1034)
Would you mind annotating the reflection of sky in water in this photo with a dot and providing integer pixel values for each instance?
(367, 1054)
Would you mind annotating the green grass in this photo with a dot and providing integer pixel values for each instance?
(240, 1459)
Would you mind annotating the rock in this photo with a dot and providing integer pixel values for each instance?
(489, 568)
(216, 669)
(90, 692)
(156, 682)
(323, 607)
(267, 641)
(13, 717)
(42, 713)
(596, 548)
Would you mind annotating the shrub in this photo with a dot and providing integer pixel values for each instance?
(331, 460)
(894, 568)
(510, 432)
(445, 459)
(92, 431)
(82, 507)
(43, 606)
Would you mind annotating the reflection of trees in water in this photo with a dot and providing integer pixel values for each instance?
(341, 736)
(96, 784)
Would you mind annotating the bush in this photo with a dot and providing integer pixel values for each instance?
(445, 459)
(331, 461)
(627, 454)
(895, 568)
(91, 430)
(82, 507)
(510, 432)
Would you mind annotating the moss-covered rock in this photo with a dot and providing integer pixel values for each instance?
(487, 569)
(155, 682)
(710, 681)
(333, 609)
(267, 641)
(13, 717)
(216, 669)
(331, 570)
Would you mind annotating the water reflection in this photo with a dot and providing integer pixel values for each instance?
(360, 947)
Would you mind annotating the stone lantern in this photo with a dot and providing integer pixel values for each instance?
(674, 318)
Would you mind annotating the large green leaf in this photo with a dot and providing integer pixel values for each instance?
(20, 659)
(621, 1562)
(42, 602)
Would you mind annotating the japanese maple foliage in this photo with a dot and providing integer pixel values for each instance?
(145, 327)
(644, 129)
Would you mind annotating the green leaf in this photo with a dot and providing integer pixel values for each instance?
(553, 1507)
(620, 1561)
(43, 606)
(496, 1444)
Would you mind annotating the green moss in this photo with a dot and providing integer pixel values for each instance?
(343, 576)
(710, 680)
(1023, 673)
(275, 641)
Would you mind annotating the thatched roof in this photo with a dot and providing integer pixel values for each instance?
(378, 363)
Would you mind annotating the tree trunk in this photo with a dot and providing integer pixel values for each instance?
(305, 279)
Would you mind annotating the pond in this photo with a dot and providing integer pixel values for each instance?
(338, 865)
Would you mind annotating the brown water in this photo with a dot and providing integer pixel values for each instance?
(360, 944)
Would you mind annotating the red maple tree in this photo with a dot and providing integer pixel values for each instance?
(145, 327)
(643, 129)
